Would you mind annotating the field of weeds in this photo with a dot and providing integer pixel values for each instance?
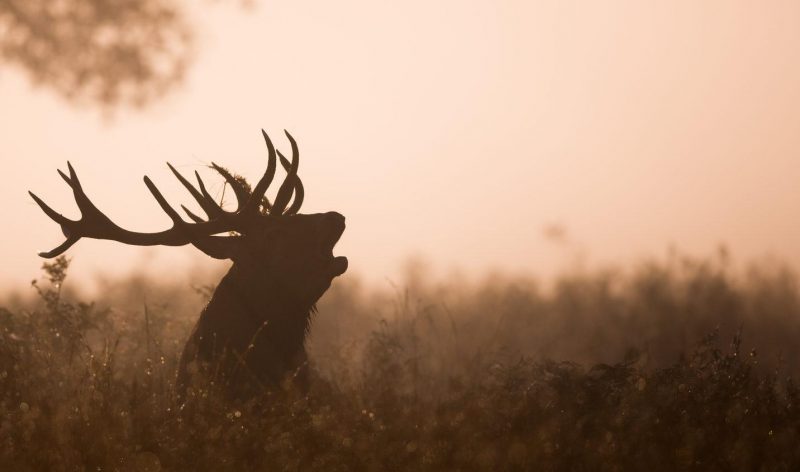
(678, 364)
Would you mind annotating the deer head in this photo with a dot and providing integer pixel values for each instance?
(269, 243)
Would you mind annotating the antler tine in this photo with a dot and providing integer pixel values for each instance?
(212, 204)
(60, 249)
(242, 194)
(85, 205)
(54, 215)
(75, 184)
(191, 215)
(285, 192)
(262, 185)
(205, 204)
(299, 192)
(173, 215)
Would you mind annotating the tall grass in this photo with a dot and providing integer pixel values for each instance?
(673, 365)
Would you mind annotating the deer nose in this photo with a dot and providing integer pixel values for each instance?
(334, 220)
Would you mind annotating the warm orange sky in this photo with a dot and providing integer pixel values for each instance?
(455, 130)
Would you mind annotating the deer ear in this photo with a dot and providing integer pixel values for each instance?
(219, 247)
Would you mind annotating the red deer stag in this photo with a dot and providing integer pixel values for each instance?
(253, 329)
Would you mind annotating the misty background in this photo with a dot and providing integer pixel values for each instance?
(571, 230)
(515, 137)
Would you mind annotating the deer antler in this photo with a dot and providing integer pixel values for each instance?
(96, 225)
(248, 202)
(261, 187)
(290, 184)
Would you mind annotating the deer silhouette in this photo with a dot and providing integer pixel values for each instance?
(251, 334)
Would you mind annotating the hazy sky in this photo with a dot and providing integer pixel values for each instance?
(454, 130)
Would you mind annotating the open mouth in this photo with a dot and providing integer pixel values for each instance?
(330, 236)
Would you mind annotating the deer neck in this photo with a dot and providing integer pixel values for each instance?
(260, 300)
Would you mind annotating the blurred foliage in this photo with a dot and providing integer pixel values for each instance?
(442, 376)
(100, 52)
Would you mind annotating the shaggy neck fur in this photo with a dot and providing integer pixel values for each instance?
(253, 333)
